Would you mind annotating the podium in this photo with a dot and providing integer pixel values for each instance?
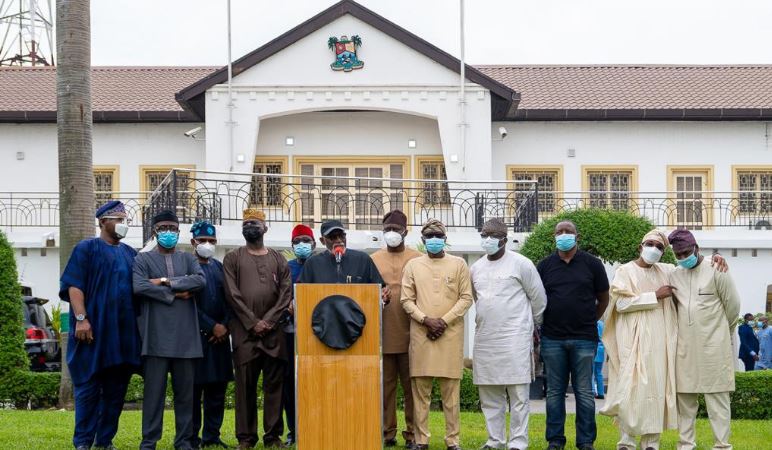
(338, 392)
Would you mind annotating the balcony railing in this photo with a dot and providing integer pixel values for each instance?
(361, 202)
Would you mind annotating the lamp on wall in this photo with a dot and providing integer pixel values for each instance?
(289, 141)
(411, 143)
(241, 158)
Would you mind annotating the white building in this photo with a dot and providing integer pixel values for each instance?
(683, 146)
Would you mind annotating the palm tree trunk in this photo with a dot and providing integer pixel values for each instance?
(74, 123)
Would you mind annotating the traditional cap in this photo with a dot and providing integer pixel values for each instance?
(302, 230)
(203, 229)
(111, 207)
(167, 215)
(329, 226)
(433, 226)
(395, 217)
(254, 214)
(681, 239)
(495, 227)
(656, 235)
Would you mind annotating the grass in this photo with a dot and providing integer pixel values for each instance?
(53, 430)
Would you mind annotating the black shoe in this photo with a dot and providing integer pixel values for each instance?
(410, 445)
(83, 447)
(454, 447)
(649, 448)
(218, 443)
(273, 443)
(390, 442)
(587, 447)
(556, 447)
(421, 447)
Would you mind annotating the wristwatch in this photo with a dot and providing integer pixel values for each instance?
(165, 281)
(80, 317)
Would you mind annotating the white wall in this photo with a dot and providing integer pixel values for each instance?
(125, 144)
(370, 133)
(652, 146)
(42, 272)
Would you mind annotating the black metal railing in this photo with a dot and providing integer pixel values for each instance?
(41, 209)
(359, 203)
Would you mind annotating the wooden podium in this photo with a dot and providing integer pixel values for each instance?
(338, 392)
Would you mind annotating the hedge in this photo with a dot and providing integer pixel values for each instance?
(749, 401)
(612, 236)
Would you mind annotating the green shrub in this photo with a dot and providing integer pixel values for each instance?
(750, 400)
(13, 359)
(36, 389)
(612, 236)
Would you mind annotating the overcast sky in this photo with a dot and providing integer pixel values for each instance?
(193, 32)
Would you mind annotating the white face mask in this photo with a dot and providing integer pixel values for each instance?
(651, 255)
(205, 250)
(490, 245)
(392, 238)
(121, 230)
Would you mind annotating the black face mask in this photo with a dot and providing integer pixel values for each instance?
(252, 234)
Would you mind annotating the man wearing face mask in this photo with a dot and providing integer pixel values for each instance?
(215, 369)
(165, 282)
(303, 246)
(259, 291)
(577, 295)
(340, 264)
(765, 344)
(436, 293)
(510, 301)
(749, 343)
(708, 306)
(104, 349)
(396, 327)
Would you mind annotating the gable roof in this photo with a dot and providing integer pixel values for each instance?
(125, 94)
(504, 98)
(639, 92)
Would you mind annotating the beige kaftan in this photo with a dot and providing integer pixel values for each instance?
(640, 341)
(708, 307)
(437, 288)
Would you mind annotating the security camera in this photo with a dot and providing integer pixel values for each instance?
(192, 133)
(502, 132)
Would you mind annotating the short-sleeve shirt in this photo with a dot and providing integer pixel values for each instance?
(572, 289)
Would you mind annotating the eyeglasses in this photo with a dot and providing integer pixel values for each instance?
(162, 228)
(434, 235)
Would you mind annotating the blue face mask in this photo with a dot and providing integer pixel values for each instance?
(302, 250)
(565, 242)
(759, 324)
(688, 262)
(435, 245)
(167, 239)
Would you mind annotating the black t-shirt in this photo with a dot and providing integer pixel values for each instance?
(572, 290)
(355, 267)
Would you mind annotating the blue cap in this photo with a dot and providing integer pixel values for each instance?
(203, 229)
(111, 207)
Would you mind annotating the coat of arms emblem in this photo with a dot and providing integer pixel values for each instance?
(345, 53)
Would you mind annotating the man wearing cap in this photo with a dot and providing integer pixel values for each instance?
(104, 349)
(708, 306)
(396, 327)
(215, 369)
(165, 282)
(640, 341)
(340, 264)
(259, 291)
(303, 245)
(436, 293)
(510, 301)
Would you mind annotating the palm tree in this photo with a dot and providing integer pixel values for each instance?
(331, 42)
(74, 123)
(356, 40)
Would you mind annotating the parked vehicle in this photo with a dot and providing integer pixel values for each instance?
(41, 341)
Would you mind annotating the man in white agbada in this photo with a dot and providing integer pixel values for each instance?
(640, 341)
(708, 307)
(510, 300)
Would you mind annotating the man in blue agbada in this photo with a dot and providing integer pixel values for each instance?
(104, 349)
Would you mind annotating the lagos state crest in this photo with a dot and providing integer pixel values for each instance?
(345, 53)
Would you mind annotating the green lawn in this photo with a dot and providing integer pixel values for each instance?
(53, 430)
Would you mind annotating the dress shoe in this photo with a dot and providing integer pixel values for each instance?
(454, 447)
(587, 447)
(421, 447)
(290, 440)
(410, 445)
(556, 447)
(215, 444)
(390, 442)
(83, 447)
(649, 448)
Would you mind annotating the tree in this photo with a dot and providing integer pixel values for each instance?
(612, 236)
(74, 124)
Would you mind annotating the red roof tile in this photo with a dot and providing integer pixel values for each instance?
(113, 88)
(637, 87)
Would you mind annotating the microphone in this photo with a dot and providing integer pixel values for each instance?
(338, 251)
